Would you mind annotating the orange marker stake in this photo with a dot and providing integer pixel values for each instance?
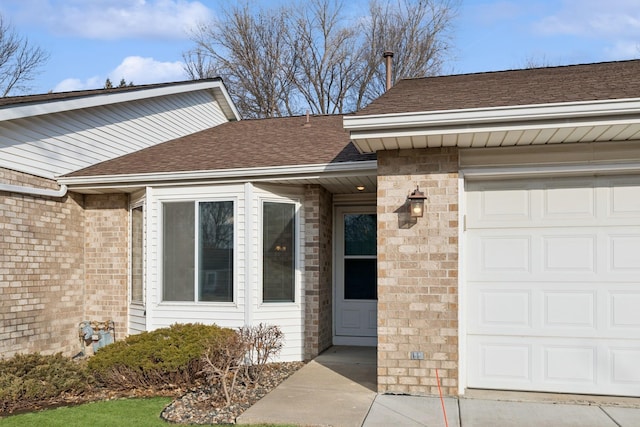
(444, 411)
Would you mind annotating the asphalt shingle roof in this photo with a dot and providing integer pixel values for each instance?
(288, 141)
(11, 101)
(588, 82)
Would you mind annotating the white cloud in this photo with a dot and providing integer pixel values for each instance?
(133, 69)
(120, 19)
(141, 70)
(593, 18)
(71, 84)
(624, 49)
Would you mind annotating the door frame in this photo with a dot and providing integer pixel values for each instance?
(338, 212)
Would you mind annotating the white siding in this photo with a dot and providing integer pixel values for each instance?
(137, 321)
(290, 316)
(59, 143)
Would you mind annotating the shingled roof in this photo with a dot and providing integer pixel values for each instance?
(60, 96)
(588, 82)
(289, 141)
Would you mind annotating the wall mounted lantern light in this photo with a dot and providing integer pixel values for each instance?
(416, 203)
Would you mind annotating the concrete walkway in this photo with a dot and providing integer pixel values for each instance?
(338, 389)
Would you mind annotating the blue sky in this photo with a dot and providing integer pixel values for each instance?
(143, 40)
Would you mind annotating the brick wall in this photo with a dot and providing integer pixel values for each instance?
(417, 272)
(318, 270)
(107, 259)
(41, 269)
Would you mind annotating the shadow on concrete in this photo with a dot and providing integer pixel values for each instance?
(358, 364)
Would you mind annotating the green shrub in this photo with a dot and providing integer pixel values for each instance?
(35, 377)
(166, 358)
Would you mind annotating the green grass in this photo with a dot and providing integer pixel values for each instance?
(122, 412)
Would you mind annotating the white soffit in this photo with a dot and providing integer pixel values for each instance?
(592, 121)
(337, 178)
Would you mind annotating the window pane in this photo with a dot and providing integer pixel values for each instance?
(360, 234)
(137, 236)
(361, 276)
(178, 251)
(278, 257)
(215, 249)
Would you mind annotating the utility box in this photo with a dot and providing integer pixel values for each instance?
(95, 334)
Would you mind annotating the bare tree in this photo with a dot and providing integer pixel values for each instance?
(19, 60)
(328, 57)
(253, 53)
(417, 32)
(311, 57)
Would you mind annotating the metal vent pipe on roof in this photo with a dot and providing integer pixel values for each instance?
(388, 57)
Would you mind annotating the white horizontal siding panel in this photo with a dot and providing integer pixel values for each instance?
(59, 143)
(137, 319)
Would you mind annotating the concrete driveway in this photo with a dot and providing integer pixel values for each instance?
(338, 389)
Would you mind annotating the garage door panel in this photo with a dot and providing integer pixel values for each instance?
(505, 308)
(576, 365)
(623, 197)
(555, 309)
(552, 283)
(500, 254)
(554, 254)
(624, 366)
(624, 252)
(625, 311)
(569, 309)
(569, 253)
(569, 201)
(570, 364)
(503, 361)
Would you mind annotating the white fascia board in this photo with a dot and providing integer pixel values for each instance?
(386, 124)
(547, 170)
(228, 107)
(245, 174)
(95, 100)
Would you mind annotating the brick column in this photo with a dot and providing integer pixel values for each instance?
(107, 260)
(318, 270)
(417, 272)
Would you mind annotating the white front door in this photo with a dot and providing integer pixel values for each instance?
(553, 284)
(356, 276)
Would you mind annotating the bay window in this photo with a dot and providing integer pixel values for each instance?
(278, 252)
(198, 251)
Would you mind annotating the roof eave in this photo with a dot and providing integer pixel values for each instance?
(224, 175)
(369, 132)
(221, 95)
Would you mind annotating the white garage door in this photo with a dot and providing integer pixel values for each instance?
(553, 285)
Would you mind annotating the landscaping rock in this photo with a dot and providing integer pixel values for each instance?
(206, 405)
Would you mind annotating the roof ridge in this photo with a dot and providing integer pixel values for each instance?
(529, 69)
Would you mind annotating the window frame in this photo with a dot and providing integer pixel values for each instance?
(196, 242)
(297, 262)
(138, 204)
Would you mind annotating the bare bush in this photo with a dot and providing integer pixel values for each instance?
(240, 357)
(264, 343)
(224, 359)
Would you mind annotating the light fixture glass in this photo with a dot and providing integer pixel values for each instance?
(360, 188)
(416, 203)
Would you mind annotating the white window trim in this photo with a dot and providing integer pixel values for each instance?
(139, 202)
(196, 202)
